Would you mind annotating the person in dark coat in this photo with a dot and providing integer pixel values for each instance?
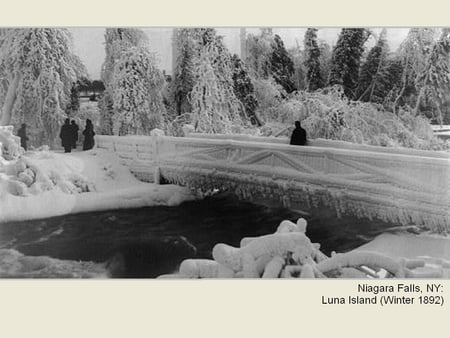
(66, 136)
(89, 134)
(22, 133)
(74, 128)
(298, 135)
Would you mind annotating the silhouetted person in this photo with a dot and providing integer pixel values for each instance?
(74, 128)
(22, 133)
(298, 135)
(88, 133)
(66, 136)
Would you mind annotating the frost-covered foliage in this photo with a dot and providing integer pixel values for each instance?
(38, 69)
(374, 79)
(434, 79)
(244, 89)
(137, 99)
(215, 107)
(183, 77)
(202, 90)
(259, 52)
(346, 59)
(117, 40)
(268, 93)
(88, 110)
(413, 54)
(329, 114)
(325, 60)
(282, 67)
(299, 76)
(312, 63)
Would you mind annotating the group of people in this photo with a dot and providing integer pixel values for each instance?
(69, 135)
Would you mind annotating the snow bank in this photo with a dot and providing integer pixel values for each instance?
(16, 265)
(9, 144)
(44, 184)
(410, 245)
(288, 253)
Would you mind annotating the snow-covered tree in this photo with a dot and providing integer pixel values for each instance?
(215, 107)
(281, 64)
(314, 79)
(259, 52)
(117, 40)
(244, 89)
(299, 76)
(325, 60)
(183, 79)
(413, 53)
(137, 99)
(346, 59)
(74, 102)
(374, 75)
(37, 71)
(433, 81)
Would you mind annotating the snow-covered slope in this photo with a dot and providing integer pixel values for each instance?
(44, 184)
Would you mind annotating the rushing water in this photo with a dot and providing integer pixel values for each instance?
(83, 242)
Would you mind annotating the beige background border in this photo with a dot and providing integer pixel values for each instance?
(211, 308)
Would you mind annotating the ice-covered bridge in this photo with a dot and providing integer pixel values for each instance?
(396, 185)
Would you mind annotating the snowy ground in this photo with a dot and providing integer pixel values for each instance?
(46, 184)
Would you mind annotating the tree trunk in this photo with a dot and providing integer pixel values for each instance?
(5, 118)
(419, 100)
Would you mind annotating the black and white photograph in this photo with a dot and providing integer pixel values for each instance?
(224, 152)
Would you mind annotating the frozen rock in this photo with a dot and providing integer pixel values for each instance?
(157, 132)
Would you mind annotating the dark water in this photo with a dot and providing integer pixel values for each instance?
(97, 236)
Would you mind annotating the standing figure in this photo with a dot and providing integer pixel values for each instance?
(298, 135)
(74, 128)
(22, 133)
(88, 133)
(66, 136)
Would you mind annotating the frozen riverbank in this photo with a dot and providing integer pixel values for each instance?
(44, 184)
(289, 253)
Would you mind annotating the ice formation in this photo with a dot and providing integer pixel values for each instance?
(394, 185)
(288, 253)
(9, 144)
(16, 265)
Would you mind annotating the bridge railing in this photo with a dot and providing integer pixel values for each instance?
(325, 143)
(401, 185)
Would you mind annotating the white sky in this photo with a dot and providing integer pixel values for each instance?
(89, 42)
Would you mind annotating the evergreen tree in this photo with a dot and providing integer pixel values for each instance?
(282, 67)
(137, 99)
(183, 80)
(413, 53)
(74, 104)
(346, 59)
(374, 75)
(299, 76)
(433, 81)
(259, 52)
(38, 69)
(117, 40)
(325, 61)
(314, 79)
(244, 89)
